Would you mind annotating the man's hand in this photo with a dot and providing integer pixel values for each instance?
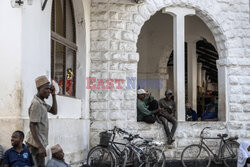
(53, 90)
(171, 115)
(167, 116)
(53, 109)
(42, 151)
(157, 119)
(149, 97)
(156, 111)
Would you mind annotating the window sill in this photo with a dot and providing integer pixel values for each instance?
(203, 124)
(72, 97)
(67, 107)
(200, 121)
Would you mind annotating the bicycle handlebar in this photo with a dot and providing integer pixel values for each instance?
(118, 130)
(121, 131)
(137, 136)
(203, 130)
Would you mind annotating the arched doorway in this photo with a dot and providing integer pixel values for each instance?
(155, 46)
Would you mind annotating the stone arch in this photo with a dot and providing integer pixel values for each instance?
(150, 7)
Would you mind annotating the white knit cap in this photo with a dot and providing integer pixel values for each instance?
(141, 91)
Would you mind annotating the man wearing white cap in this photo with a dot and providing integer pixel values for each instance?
(145, 113)
(57, 157)
(37, 138)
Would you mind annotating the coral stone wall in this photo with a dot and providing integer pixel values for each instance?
(115, 26)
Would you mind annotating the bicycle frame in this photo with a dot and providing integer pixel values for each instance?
(136, 150)
(129, 148)
(118, 151)
(222, 143)
(114, 144)
(207, 147)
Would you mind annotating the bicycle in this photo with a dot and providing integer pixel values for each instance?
(147, 155)
(110, 155)
(199, 154)
(113, 155)
(100, 157)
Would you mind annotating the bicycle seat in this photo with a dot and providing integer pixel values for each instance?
(233, 138)
(222, 135)
(128, 138)
(148, 140)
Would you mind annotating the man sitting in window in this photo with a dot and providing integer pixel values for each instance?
(18, 155)
(191, 115)
(146, 107)
(211, 113)
(168, 105)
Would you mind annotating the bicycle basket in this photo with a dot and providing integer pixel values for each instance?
(104, 138)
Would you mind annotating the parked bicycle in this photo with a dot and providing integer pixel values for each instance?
(148, 155)
(112, 153)
(201, 155)
(108, 153)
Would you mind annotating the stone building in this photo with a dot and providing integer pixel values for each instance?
(136, 40)
(188, 46)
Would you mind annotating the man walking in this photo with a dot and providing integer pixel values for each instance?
(169, 107)
(37, 138)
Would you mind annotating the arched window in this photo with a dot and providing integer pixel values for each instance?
(63, 46)
(195, 69)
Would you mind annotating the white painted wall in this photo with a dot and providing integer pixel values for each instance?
(25, 54)
(35, 49)
(86, 52)
(71, 125)
(10, 67)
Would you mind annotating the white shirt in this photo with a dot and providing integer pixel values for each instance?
(243, 154)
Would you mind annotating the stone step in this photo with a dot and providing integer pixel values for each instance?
(177, 163)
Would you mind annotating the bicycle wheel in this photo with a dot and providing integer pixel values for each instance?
(229, 152)
(124, 158)
(139, 156)
(130, 157)
(195, 155)
(99, 156)
(156, 158)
